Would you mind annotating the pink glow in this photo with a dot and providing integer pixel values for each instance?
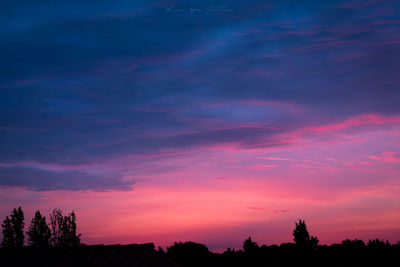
(226, 192)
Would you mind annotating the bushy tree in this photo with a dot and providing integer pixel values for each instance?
(302, 238)
(63, 229)
(300, 234)
(189, 254)
(13, 229)
(39, 232)
(249, 246)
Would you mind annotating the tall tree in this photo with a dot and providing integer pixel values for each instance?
(69, 231)
(56, 224)
(300, 234)
(13, 229)
(17, 219)
(63, 229)
(39, 232)
(8, 233)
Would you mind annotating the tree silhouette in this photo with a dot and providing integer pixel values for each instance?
(56, 224)
(300, 234)
(17, 219)
(39, 232)
(302, 238)
(8, 233)
(250, 246)
(376, 243)
(189, 254)
(63, 229)
(70, 236)
(352, 244)
(13, 229)
(314, 242)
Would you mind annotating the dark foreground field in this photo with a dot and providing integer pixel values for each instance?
(350, 253)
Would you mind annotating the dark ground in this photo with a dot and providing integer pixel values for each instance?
(193, 254)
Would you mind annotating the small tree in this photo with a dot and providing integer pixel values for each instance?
(249, 246)
(39, 232)
(314, 242)
(8, 234)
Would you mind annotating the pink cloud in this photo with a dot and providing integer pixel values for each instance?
(258, 208)
(367, 119)
(387, 157)
(261, 167)
(365, 163)
(330, 159)
(267, 210)
(301, 166)
(273, 158)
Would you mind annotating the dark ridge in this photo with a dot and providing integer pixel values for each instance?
(141, 255)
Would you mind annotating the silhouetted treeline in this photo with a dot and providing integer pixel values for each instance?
(289, 254)
(59, 238)
(305, 251)
(61, 231)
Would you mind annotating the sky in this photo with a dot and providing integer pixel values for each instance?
(208, 121)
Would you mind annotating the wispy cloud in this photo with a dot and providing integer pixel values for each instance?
(387, 157)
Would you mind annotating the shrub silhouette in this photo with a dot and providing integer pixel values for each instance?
(314, 242)
(376, 243)
(189, 253)
(352, 244)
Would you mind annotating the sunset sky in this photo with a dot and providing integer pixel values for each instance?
(208, 121)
